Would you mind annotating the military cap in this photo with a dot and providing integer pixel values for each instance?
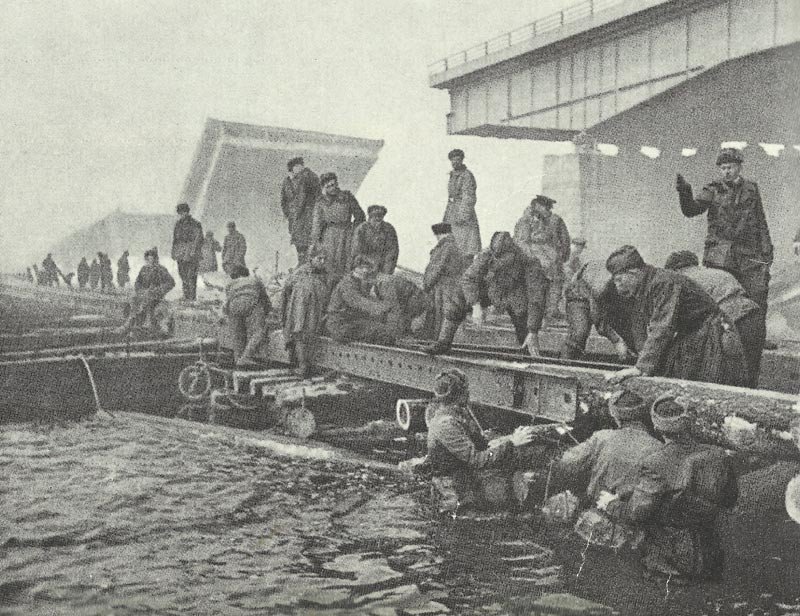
(377, 210)
(625, 405)
(440, 228)
(231, 224)
(578, 241)
(670, 415)
(450, 385)
(183, 208)
(729, 155)
(327, 177)
(544, 200)
(453, 153)
(297, 160)
(623, 259)
(680, 259)
(151, 252)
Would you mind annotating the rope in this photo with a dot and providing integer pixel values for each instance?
(94, 386)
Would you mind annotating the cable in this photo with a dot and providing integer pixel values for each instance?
(94, 385)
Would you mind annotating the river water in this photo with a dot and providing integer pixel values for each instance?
(142, 515)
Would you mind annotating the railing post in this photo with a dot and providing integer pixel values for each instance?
(562, 17)
(445, 65)
(533, 29)
(464, 53)
(486, 48)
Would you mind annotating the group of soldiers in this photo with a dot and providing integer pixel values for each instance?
(95, 276)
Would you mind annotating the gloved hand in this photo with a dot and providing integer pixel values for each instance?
(605, 499)
(531, 344)
(621, 350)
(522, 436)
(681, 185)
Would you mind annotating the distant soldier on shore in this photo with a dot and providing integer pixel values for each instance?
(83, 274)
(377, 239)
(234, 249)
(94, 274)
(51, 272)
(106, 275)
(187, 243)
(123, 270)
(461, 199)
(299, 194)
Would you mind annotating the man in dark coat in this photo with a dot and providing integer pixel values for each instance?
(406, 299)
(544, 235)
(353, 315)
(505, 277)
(442, 278)
(94, 274)
(52, 273)
(738, 237)
(305, 299)
(676, 328)
(106, 275)
(234, 249)
(83, 274)
(208, 254)
(336, 215)
(377, 239)
(731, 298)
(682, 489)
(461, 200)
(465, 469)
(187, 245)
(150, 287)
(123, 270)
(299, 194)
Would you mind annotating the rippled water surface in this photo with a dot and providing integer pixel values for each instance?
(137, 514)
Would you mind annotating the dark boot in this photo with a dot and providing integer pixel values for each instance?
(446, 335)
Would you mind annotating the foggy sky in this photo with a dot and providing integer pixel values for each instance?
(103, 103)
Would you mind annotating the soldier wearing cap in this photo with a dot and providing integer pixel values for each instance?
(742, 311)
(459, 455)
(676, 328)
(738, 237)
(151, 286)
(187, 247)
(299, 193)
(336, 215)
(234, 249)
(683, 486)
(543, 235)
(442, 278)
(377, 239)
(460, 210)
(353, 314)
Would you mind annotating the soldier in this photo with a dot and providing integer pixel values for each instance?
(150, 287)
(336, 215)
(575, 262)
(208, 254)
(543, 235)
(305, 299)
(352, 314)
(742, 311)
(505, 277)
(682, 488)
(591, 299)
(459, 455)
(123, 270)
(738, 237)
(377, 239)
(299, 194)
(610, 459)
(94, 274)
(187, 243)
(675, 326)
(461, 199)
(407, 300)
(234, 249)
(106, 275)
(51, 271)
(83, 274)
(246, 306)
(442, 278)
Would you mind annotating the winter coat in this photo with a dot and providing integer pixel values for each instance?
(123, 271)
(154, 281)
(83, 273)
(378, 241)
(460, 212)
(332, 227)
(298, 198)
(234, 249)
(187, 240)
(208, 256)
(442, 279)
(545, 238)
(305, 299)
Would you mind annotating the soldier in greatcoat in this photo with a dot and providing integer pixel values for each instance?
(676, 328)
(738, 238)
(505, 277)
(730, 296)
(246, 306)
(208, 254)
(94, 274)
(187, 243)
(461, 199)
(377, 239)
(544, 235)
(83, 274)
(234, 249)
(123, 270)
(408, 302)
(336, 215)
(305, 300)
(442, 278)
(299, 194)
(683, 486)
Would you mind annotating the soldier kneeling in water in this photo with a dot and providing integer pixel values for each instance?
(467, 472)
